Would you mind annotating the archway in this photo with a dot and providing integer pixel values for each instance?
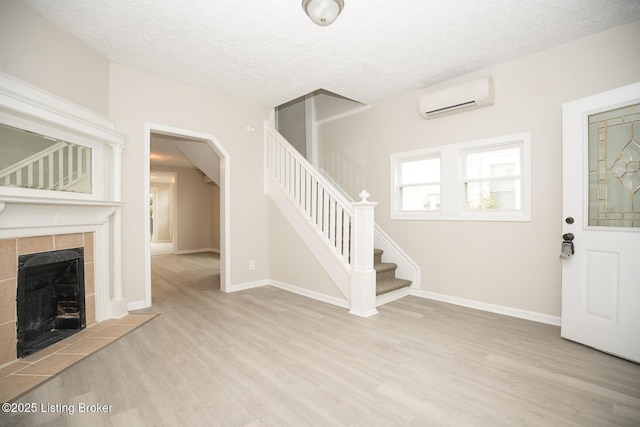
(225, 171)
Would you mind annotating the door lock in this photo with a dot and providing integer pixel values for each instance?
(567, 245)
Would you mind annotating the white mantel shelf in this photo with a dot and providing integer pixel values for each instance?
(27, 216)
(50, 201)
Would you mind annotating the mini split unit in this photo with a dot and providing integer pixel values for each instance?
(475, 94)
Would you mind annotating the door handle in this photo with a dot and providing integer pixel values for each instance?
(568, 248)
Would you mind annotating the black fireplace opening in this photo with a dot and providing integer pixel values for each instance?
(50, 298)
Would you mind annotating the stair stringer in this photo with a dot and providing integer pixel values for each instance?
(407, 267)
(330, 261)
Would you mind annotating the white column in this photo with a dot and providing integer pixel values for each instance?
(363, 275)
(118, 301)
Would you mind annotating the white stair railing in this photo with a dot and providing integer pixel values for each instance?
(346, 227)
(58, 167)
(407, 267)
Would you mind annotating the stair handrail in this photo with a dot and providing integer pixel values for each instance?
(406, 265)
(345, 227)
(57, 179)
(319, 174)
(32, 159)
(307, 187)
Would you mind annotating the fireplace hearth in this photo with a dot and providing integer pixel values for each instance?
(50, 298)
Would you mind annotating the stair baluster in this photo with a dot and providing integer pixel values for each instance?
(58, 167)
(331, 215)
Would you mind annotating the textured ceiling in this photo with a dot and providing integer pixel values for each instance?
(270, 52)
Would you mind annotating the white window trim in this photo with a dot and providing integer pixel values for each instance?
(403, 159)
(452, 191)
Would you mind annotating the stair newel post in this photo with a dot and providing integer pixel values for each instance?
(363, 275)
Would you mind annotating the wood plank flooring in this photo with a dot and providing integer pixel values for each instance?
(267, 357)
(21, 376)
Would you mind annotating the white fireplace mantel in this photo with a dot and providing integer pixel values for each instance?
(28, 216)
(33, 212)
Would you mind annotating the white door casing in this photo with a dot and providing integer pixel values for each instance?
(601, 280)
(225, 204)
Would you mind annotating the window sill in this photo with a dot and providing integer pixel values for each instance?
(481, 216)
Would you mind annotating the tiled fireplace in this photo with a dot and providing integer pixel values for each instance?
(60, 192)
(10, 251)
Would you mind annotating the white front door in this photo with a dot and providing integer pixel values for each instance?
(601, 208)
(601, 193)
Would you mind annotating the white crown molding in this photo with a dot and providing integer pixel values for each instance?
(21, 97)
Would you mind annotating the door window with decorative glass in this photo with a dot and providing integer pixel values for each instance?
(614, 168)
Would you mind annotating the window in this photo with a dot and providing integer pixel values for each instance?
(420, 184)
(477, 180)
(492, 178)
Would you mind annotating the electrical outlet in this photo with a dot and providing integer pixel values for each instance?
(252, 265)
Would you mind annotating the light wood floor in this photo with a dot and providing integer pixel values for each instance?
(266, 357)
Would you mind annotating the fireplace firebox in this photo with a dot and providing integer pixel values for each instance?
(50, 298)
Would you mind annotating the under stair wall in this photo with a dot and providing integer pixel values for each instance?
(338, 232)
(292, 265)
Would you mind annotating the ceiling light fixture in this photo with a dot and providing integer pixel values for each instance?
(323, 12)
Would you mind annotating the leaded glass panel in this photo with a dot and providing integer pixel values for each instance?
(614, 168)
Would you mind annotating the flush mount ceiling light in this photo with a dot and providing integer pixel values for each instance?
(323, 12)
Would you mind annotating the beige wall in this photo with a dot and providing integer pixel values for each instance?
(36, 51)
(292, 123)
(138, 97)
(328, 104)
(162, 210)
(215, 217)
(198, 214)
(195, 219)
(509, 264)
(292, 262)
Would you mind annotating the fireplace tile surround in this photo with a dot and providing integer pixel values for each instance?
(10, 249)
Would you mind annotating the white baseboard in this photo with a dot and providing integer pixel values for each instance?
(309, 294)
(291, 288)
(492, 308)
(248, 285)
(136, 305)
(195, 251)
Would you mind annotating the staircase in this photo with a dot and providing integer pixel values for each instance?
(386, 280)
(387, 283)
(339, 232)
(61, 167)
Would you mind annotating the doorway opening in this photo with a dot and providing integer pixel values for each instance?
(162, 210)
(187, 197)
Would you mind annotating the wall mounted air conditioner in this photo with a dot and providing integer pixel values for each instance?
(475, 94)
